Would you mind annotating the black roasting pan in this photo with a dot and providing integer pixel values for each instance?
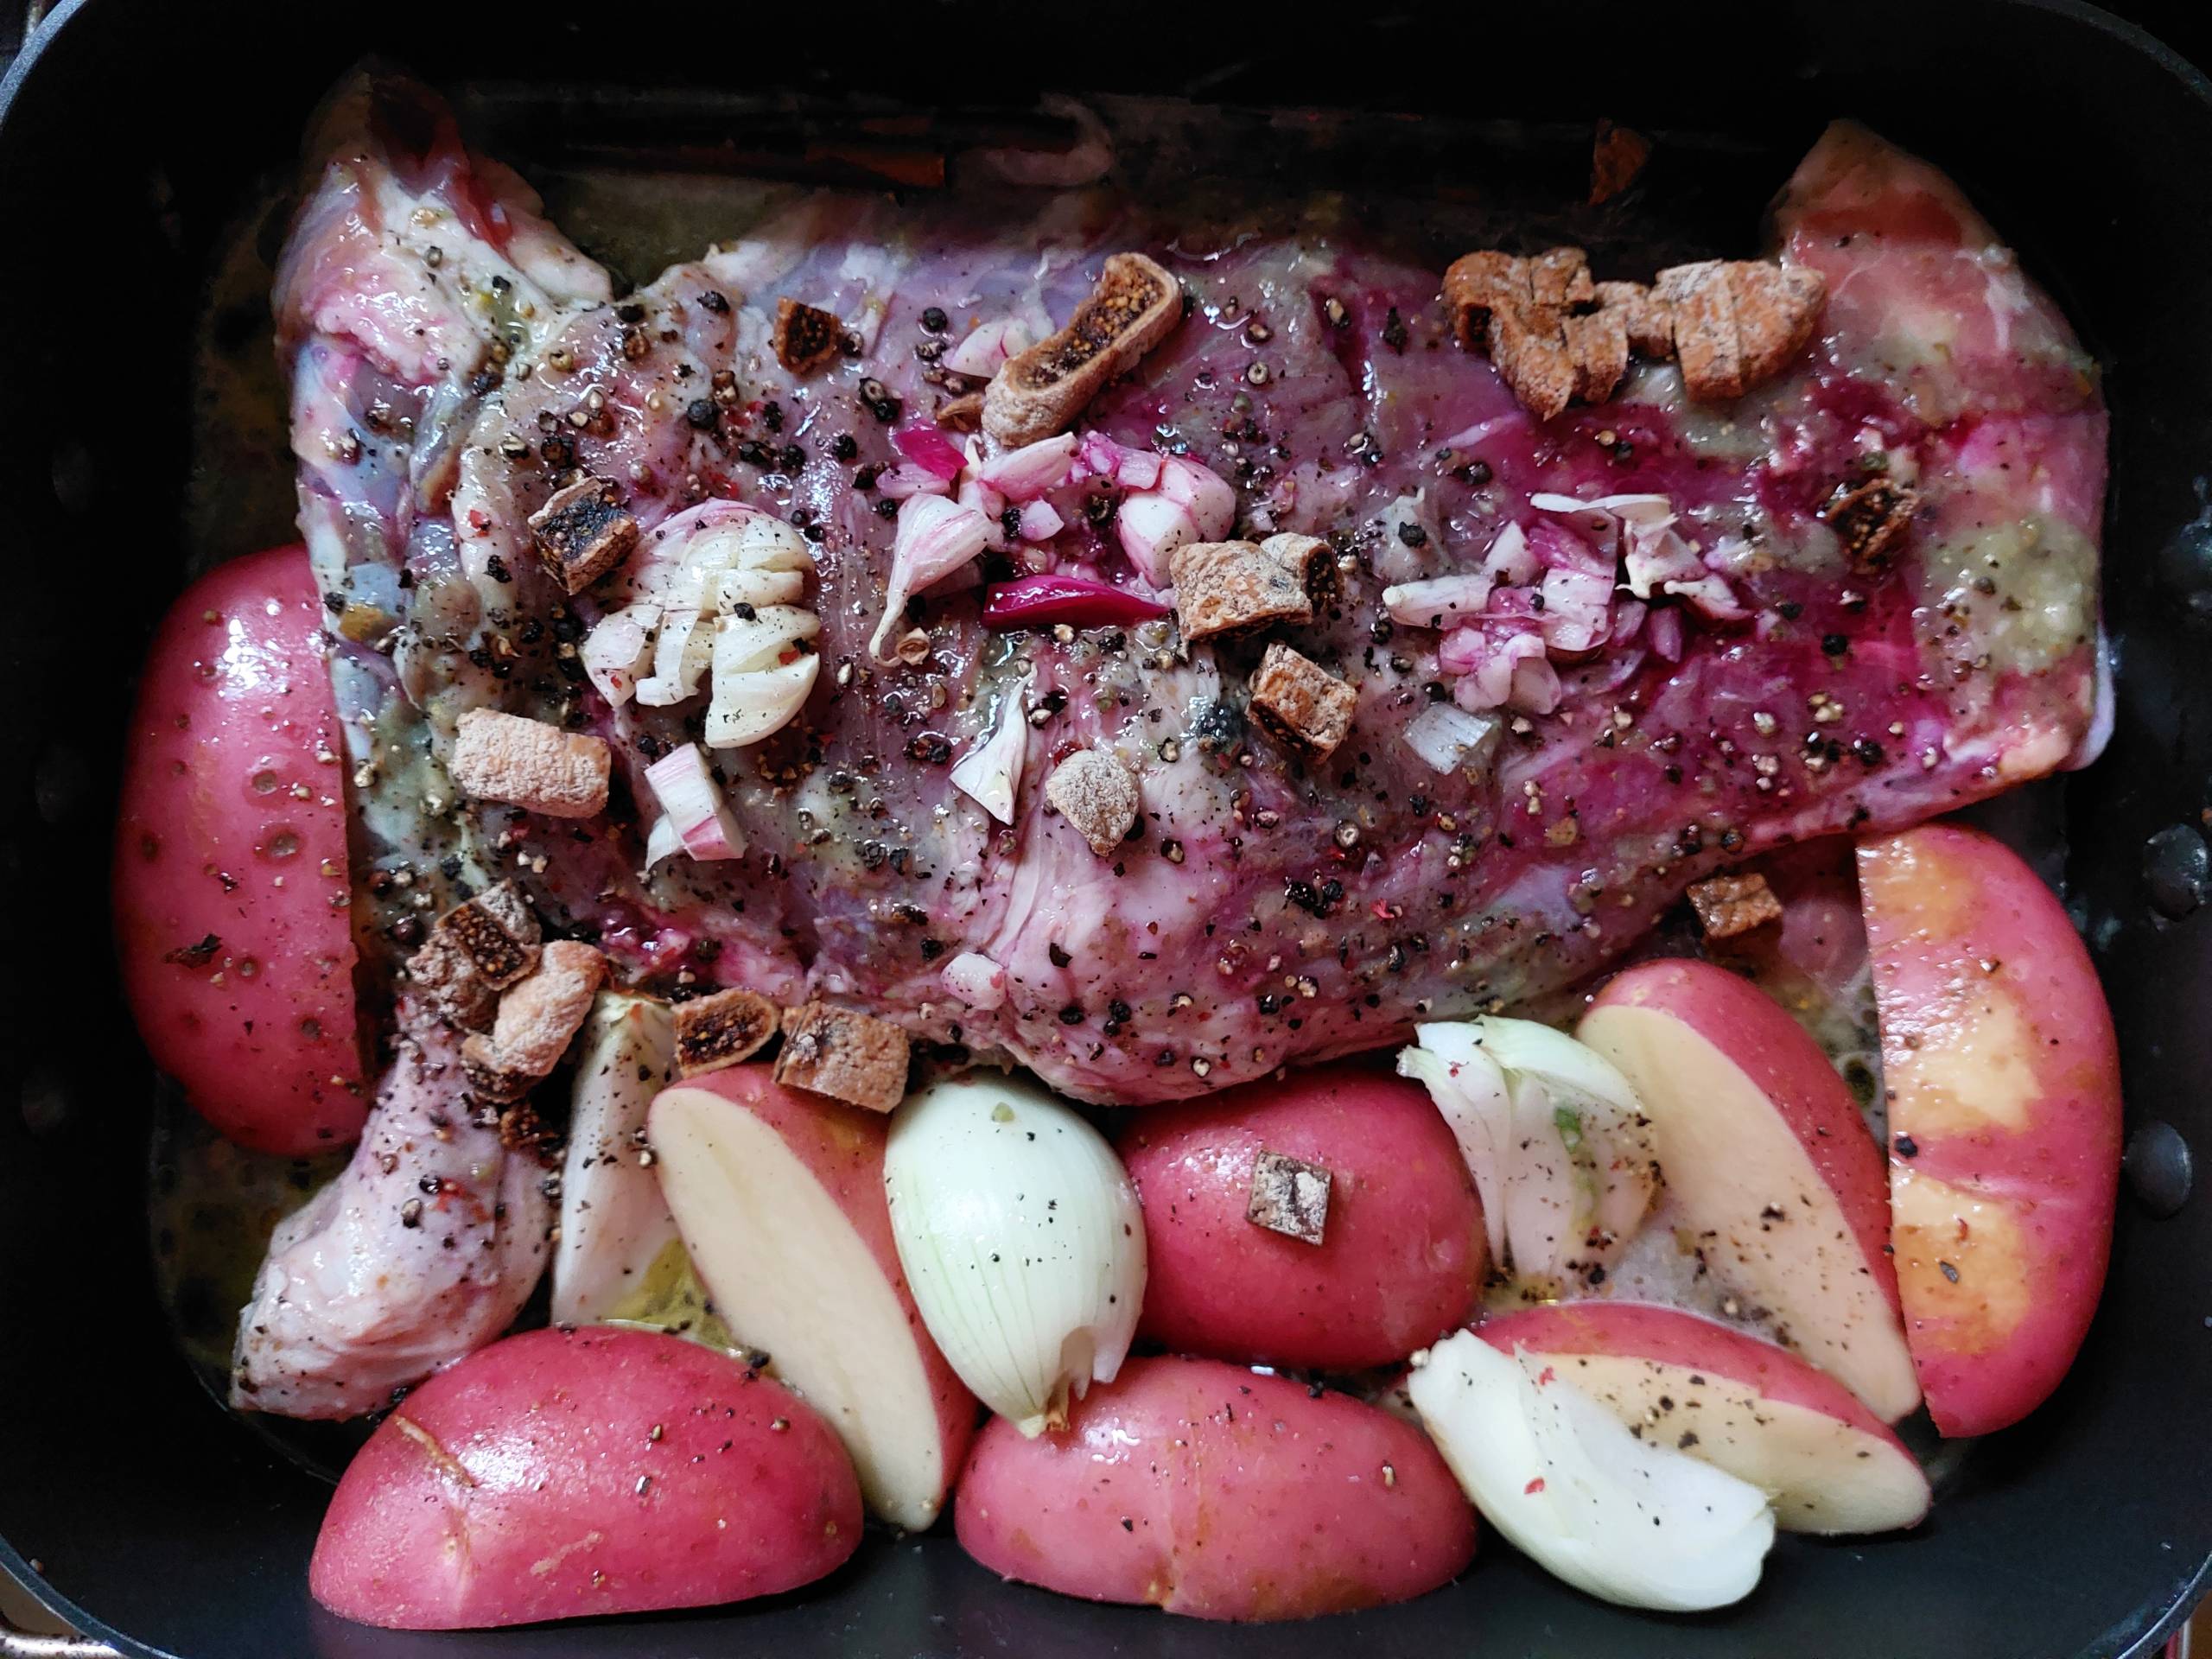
(132, 133)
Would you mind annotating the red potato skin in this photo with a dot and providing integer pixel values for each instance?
(1402, 1255)
(506, 1490)
(1759, 1036)
(2002, 1073)
(1673, 1337)
(231, 829)
(1205, 1489)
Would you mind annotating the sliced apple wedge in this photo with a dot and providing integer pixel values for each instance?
(614, 1223)
(1678, 1379)
(1630, 1520)
(2003, 1076)
(1767, 1163)
(780, 1198)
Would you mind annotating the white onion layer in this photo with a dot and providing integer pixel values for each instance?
(1627, 1519)
(1021, 1241)
(1554, 1137)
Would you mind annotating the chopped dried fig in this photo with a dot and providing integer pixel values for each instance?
(1302, 702)
(583, 532)
(1038, 391)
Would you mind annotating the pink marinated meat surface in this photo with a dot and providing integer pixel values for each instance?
(450, 374)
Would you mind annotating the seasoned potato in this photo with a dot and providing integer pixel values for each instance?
(564, 1473)
(230, 881)
(2003, 1075)
(1209, 1490)
(1402, 1250)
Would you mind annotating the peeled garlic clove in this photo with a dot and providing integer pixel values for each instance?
(1022, 1240)
(756, 691)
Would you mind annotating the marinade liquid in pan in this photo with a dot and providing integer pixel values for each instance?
(1423, 193)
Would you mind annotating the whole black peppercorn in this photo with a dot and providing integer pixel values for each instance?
(792, 457)
(933, 319)
(1412, 534)
(843, 447)
(700, 411)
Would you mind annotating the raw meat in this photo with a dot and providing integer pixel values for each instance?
(454, 359)
(424, 1249)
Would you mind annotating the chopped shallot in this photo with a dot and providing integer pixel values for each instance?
(1140, 470)
(1666, 631)
(989, 774)
(1445, 737)
(1488, 657)
(1041, 601)
(684, 785)
(1190, 504)
(663, 841)
(1024, 474)
(907, 479)
(976, 980)
(1439, 602)
(1040, 521)
(934, 539)
(925, 445)
(1509, 559)
(1578, 610)
(1150, 527)
(981, 352)
(1557, 548)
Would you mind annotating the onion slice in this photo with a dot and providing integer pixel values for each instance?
(1553, 1134)
(989, 774)
(1624, 1517)
(684, 785)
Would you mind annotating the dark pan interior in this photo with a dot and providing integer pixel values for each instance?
(134, 135)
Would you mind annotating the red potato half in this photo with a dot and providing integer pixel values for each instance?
(2003, 1077)
(560, 1474)
(1767, 1162)
(230, 874)
(1209, 1490)
(1402, 1257)
(780, 1201)
(1828, 1464)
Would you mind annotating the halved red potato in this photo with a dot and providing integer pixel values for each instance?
(2003, 1076)
(230, 881)
(1209, 1490)
(565, 1473)
(780, 1201)
(1402, 1257)
(1828, 1464)
(1767, 1162)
